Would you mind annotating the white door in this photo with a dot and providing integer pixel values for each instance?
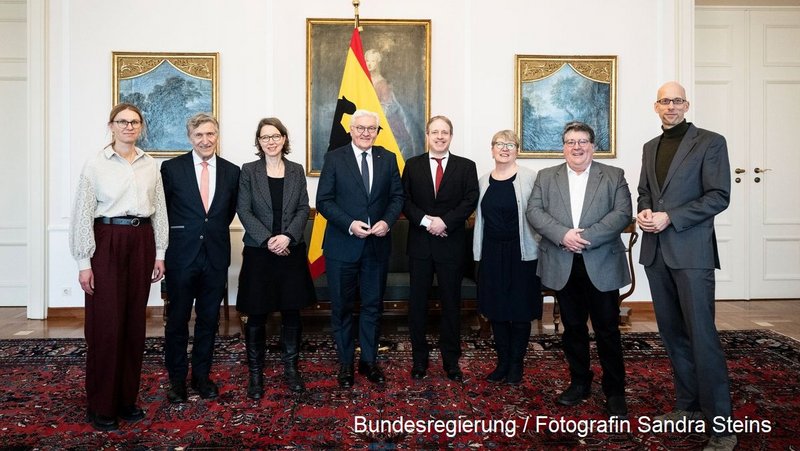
(748, 88)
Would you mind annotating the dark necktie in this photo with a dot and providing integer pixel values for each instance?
(365, 171)
(439, 174)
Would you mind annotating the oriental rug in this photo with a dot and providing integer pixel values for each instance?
(42, 402)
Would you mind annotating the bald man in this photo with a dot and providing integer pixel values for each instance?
(684, 184)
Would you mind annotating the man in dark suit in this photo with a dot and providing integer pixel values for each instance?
(580, 208)
(685, 182)
(201, 191)
(441, 192)
(361, 196)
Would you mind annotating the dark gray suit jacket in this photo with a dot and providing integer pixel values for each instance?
(606, 212)
(697, 188)
(255, 203)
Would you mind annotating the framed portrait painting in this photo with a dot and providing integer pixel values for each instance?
(551, 91)
(169, 88)
(397, 54)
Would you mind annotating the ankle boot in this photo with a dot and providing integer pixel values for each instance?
(501, 332)
(255, 342)
(520, 334)
(290, 346)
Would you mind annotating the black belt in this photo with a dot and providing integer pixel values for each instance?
(132, 221)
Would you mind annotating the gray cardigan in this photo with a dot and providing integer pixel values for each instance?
(523, 186)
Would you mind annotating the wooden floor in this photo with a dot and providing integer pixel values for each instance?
(781, 316)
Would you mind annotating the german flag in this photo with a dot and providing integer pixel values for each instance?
(356, 92)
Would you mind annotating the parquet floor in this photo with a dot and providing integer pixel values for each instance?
(781, 316)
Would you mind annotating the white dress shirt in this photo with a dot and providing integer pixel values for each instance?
(577, 192)
(358, 153)
(212, 174)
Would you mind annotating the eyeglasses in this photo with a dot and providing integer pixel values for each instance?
(505, 146)
(361, 129)
(677, 101)
(267, 138)
(123, 124)
(572, 142)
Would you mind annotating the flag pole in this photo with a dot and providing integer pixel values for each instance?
(355, 6)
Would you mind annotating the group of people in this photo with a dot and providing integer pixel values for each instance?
(558, 228)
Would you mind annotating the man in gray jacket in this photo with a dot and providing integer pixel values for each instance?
(580, 208)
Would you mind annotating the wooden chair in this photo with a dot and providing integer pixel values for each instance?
(624, 312)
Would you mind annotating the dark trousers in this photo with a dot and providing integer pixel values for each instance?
(367, 276)
(683, 301)
(580, 300)
(448, 276)
(115, 315)
(201, 285)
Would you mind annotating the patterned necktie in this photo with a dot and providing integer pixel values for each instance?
(204, 185)
(439, 174)
(365, 171)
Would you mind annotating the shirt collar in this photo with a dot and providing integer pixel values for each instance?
(571, 172)
(109, 152)
(197, 160)
(444, 157)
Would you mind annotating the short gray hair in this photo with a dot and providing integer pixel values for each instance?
(360, 113)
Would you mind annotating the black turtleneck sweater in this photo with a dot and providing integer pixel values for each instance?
(667, 148)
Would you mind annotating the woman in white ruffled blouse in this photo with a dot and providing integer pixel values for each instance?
(118, 235)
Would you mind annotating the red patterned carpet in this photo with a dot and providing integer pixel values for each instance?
(42, 403)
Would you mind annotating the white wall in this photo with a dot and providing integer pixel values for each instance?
(262, 46)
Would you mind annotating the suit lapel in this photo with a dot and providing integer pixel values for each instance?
(354, 163)
(288, 188)
(686, 146)
(592, 185)
(378, 167)
(448, 173)
(262, 184)
(191, 176)
(562, 182)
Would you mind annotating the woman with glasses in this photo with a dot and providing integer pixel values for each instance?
(509, 293)
(273, 208)
(118, 235)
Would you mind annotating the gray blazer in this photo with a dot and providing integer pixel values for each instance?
(255, 203)
(606, 212)
(697, 188)
(523, 185)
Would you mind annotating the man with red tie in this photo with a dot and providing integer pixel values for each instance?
(441, 193)
(201, 190)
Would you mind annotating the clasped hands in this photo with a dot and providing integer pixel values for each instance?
(437, 227)
(653, 222)
(279, 245)
(362, 230)
(573, 241)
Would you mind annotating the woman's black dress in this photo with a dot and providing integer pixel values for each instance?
(268, 282)
(508, 288)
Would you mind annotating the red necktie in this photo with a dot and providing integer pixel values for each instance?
(204, 185)
(439, 174)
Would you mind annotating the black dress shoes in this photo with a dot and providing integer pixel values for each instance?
(177, 391)
(372, 371)
(345, 376)
(131, 413)
(205, 387)
(574, 394)
(454, 374)
(616, 406)
(102, 422)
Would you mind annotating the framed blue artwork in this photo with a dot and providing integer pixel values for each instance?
(551, 91)
(169, 88)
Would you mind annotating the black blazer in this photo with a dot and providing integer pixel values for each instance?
(189, 224)
(457, 199)
(342, 198)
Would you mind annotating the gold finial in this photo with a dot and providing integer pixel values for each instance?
(355, 6)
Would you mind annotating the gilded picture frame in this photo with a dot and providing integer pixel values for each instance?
(169, 88)
(398, 49)
(550, 91)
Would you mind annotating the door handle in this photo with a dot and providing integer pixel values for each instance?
(759, 170)
(740, 171)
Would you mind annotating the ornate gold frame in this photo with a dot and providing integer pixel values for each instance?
(327, 42)
(540, 134)
(194, 66)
